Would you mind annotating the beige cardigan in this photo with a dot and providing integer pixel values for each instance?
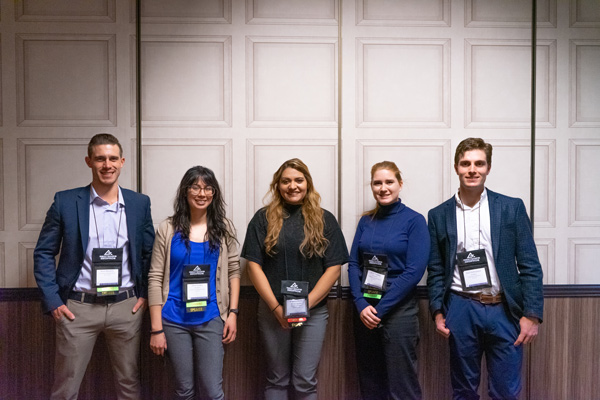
(158, 277)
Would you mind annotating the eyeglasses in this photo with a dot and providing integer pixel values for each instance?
(208, 190)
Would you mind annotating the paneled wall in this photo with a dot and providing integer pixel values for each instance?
(240, 86)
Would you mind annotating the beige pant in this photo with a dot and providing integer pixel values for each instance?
(75, 342)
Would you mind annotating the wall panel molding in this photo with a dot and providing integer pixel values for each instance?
(584, 14)
(583, 252)
(584, 83)
(509, 14)
(185, 12)
(264, 156)
(495, 99)
(584, 162)
(195, 70)
(546, 248)
(41, 167)
(413, 66)
(419, 162)
(303, 70)
(26, 277)
(65, 11)
(54, 91)
(161, 179)
(412, 13)
(293, 12)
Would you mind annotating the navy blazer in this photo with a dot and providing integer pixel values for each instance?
(66, 229)
(514, 252)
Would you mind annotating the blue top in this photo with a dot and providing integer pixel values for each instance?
(198, 253)
(400, 233)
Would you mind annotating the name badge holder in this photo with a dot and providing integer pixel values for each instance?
(295, 302)
(375, 271)
(106, 270)
(196, 292)
(474, 270)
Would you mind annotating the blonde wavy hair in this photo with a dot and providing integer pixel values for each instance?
(314, 243)
(390, 166)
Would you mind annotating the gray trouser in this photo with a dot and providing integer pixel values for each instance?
(196, 351)
(292, 354)
(75, 342)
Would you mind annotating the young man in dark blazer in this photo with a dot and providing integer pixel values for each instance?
(104, 235)
(484, 278)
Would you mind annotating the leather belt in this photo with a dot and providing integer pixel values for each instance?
(482, 297)
(94, 299)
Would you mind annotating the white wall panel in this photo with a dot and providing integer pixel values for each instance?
(46, 166)
(403, 13)
(403, 83)
(291, 82)
(583, 254)
(186, 81)
(165, 161)
(65, 10)
(264, 157)
(509, 13)
(298, 12)
(26, 278)
(584, 14)
(547, 255)
(584, 164)
(425, 166)
(54, 90)
(511, 169)
(185, 11)
(585, 83)
(498, 83)
(545, 183)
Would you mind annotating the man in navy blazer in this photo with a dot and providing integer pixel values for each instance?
(104, 235)
(484, 278)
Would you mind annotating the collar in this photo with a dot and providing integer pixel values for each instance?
(461, 205)
(391, 208)
(94, 196)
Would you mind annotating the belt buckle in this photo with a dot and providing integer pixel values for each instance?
(486, 299)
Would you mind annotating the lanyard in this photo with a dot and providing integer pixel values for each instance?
(189, 253)
(118, 227)
(462, 207)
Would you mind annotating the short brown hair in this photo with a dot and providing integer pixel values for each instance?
(473, 144)
(103, 138)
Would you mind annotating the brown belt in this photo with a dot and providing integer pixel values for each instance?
(482, 297)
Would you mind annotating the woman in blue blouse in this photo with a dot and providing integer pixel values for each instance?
(193, 286)
(388, 258)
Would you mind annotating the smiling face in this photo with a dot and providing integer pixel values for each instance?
(106, 163)
(199, 196)
(472, 170)
(292, 186)
(385, 187)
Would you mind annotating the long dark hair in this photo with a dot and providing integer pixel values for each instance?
(217, 225)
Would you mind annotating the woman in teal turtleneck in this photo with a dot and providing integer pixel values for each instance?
(388, 258)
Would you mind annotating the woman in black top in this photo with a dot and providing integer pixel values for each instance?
(293, 241)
